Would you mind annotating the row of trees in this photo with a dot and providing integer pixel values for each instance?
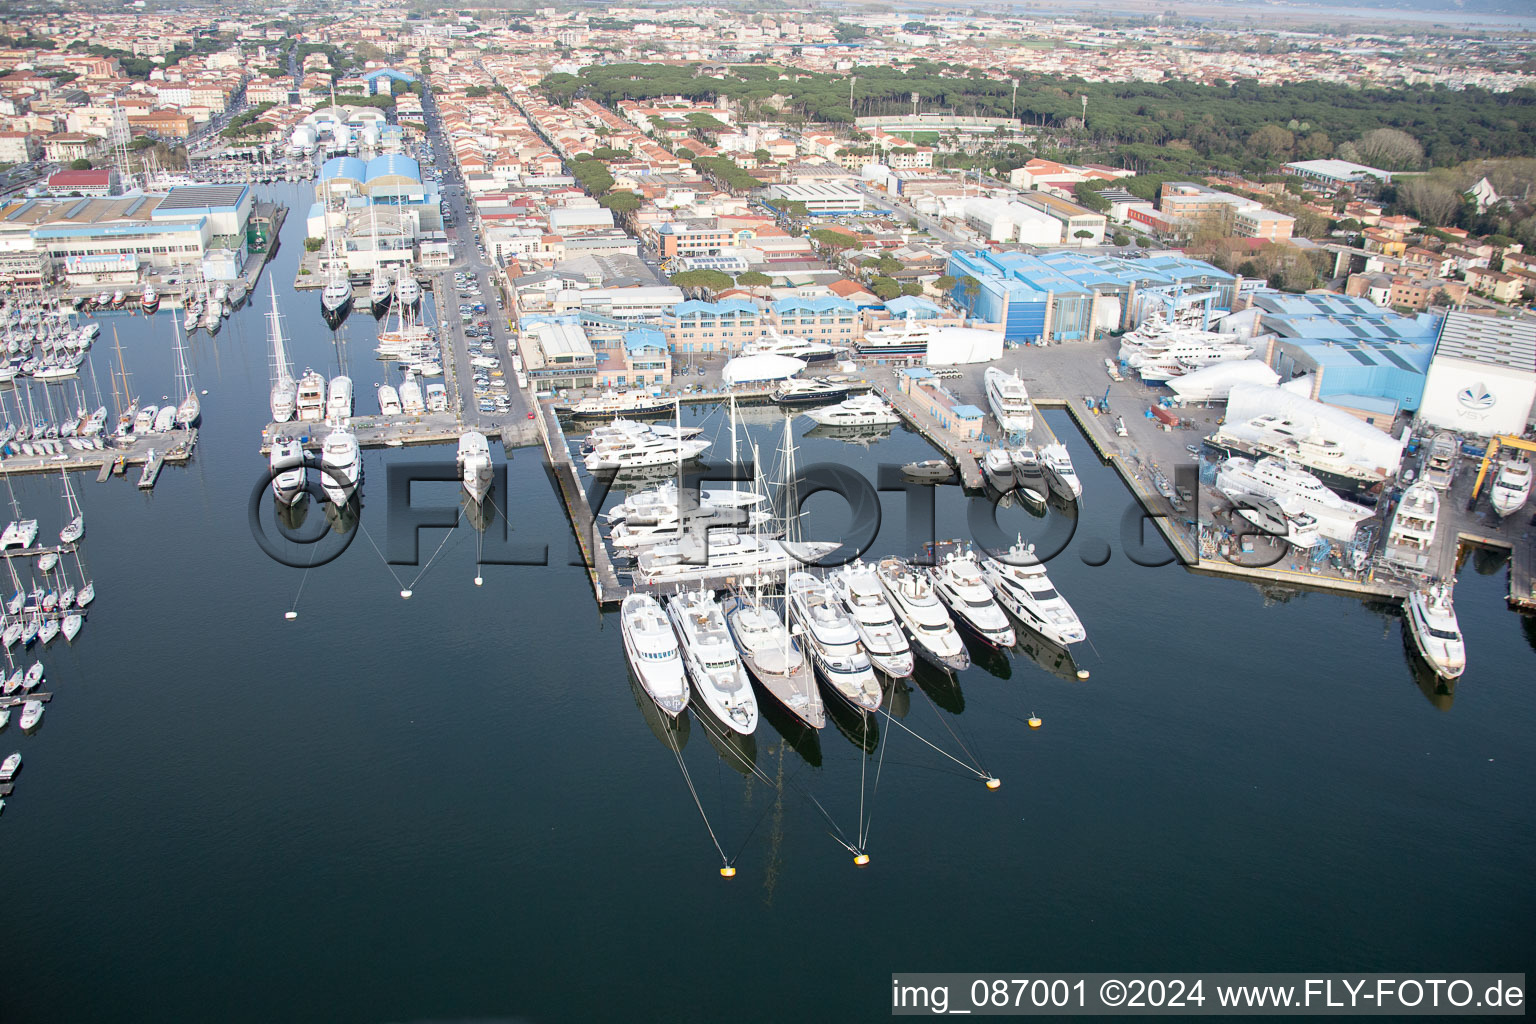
(1241, 126)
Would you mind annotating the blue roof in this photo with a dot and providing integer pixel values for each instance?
(919, 307)
(918, 372)
(399, 76)
(393, 163)
(720, 308)
(641, 338)
(967, 412)
(822, 304)
(344, 167)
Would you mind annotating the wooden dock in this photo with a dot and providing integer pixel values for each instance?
(1522, 575)
(16, 699)
(600, 571)
(57, 549)
(152, 467)
(133, 450)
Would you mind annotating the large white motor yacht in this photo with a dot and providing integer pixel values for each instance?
(1019, 581)
(833, 641)
(1009, 400)
(714, 666)
(856, 586)
(475, 464)
(653, 651)
(921, 614)
(958, 581)
(1436, 633)
(341, 465)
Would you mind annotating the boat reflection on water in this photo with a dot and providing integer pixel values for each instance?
(292, 517)
(1528, 625)
(992, 660)
(672, 732)
(898, 696)
(481, 514)
(738, 750)
(1438, 691)
(861, 729)
(343, 518)
(943, 688)
(862, 436)
(797, 735)
(1050, 656)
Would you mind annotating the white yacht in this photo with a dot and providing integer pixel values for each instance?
(285, 393)
(718, 677)
(636, 452)
(632, 535)
(958, 581)
(653, 652)
(798, 391)
(10, 766)
(1019, 581)
(1029, 473)
(1412, 533)
(311, 397)
(71, 625)
(722, 553)
(1292, 525)
(1009, 400)
(336, 297)
(145, 421)
(1294, 489)
(389, 400)
(1060, 474)
(1435, 631)
(856, 586)
(338, 405)
(1323, 457)
(659, 504)
(864, 410)
(165, 419)
(475, 464)
(412, 401)
(380, 291)
(20, 533)
(407, 290)
(626, 403)
(31, 714)
(773, 343)
(833, 641)
(287, 465)
(997, 465)
(1511, 487)
(775, 658)
(918, 609)
(341, 465)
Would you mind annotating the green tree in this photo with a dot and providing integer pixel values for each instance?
(81, 164)
(762, 156)
(313, 244)
(711, 281)
(621, 202)
(886, 288)
(754, 279)
(1089, 196)
(945, 283)
(1121, 238)
(834, 240)
(970, 288)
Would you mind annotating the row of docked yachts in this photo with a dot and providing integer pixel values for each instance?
(841, 628)
(1035, 473)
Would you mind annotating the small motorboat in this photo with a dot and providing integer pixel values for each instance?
(33, 677)
(31, 714)
(10, 766)
(929, 471)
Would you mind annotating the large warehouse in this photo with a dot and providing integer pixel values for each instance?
(1482, 379)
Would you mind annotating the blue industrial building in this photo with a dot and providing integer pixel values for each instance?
(1067, 296)
(1362, 357)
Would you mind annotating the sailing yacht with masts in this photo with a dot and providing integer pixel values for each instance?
(75, 528)
(285, 393)
(190, 410)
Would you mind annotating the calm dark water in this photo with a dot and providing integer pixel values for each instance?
(453, 807)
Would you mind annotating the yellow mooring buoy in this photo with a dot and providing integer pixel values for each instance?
(727, 872)
(994, 782)
(1034, 721)
(861, 859)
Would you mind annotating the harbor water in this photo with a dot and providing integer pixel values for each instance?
(458, 805)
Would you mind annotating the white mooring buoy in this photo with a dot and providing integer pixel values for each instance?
(406, 594)
(479, 581)
(290, 615)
